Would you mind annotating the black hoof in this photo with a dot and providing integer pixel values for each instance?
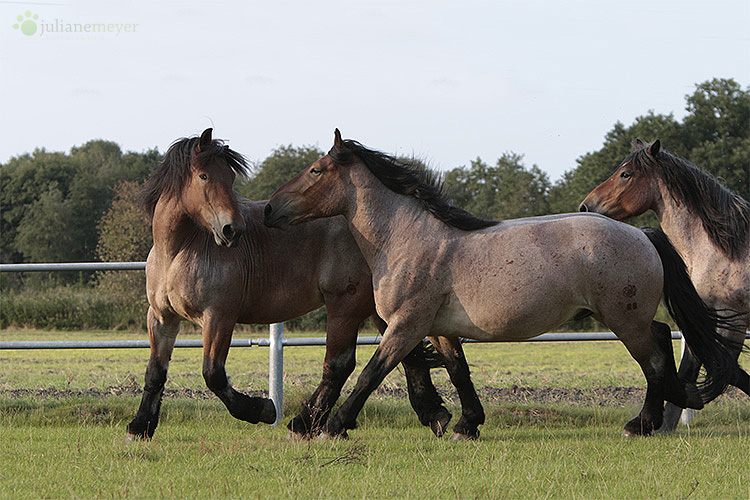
(140, 431)
(457, 436)
(466, 430)
(638, 427)
(439, 422)
(268, 411)
(332, 429)
(302, 427)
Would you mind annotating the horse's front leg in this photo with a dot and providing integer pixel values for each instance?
(217, 336)
(396, 343)
(162, 332)
(472, 413)
(423, 396)
(338, 365)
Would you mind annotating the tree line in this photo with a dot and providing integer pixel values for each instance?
(80, 206)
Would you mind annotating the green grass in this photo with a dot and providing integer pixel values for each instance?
(70, 445)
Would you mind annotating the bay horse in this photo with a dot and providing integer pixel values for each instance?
(215, 263)
(708, 225)
(440, 272)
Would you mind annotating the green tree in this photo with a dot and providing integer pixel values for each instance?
(124, 231)
(125, 236)
(44, 233)
(281, 165)
(505, 191)
(50, 203)
(717, 131)
(23, 181)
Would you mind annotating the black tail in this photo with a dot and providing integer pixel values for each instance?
(696, 320)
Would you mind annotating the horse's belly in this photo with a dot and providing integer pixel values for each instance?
(491, 317)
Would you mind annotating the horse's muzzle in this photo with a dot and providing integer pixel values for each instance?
(232, 234)
(274, 218)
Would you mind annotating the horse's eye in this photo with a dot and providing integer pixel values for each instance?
(315, 171)
(625, 175)
(203, 177)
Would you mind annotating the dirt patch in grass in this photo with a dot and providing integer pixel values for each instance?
(602, 396)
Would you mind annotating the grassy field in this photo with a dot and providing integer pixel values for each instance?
(554, 416)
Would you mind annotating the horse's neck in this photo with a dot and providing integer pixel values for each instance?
(172, 228)
(382, 220)
(684, 228)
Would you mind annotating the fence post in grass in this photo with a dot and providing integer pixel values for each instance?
(688, 414)
(276, 368)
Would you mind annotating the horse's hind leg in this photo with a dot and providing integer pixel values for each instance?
(423, 396)
(654, 354)
(217, 336)
(472, 413)
(162, 333)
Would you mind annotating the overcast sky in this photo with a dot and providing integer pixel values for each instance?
(445, 80)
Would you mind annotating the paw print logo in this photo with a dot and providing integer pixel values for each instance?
(26, 23)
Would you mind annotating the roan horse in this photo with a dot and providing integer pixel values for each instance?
(438, 271)
(213, 262)
(708, 225)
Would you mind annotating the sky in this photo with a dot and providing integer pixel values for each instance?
(446, 81)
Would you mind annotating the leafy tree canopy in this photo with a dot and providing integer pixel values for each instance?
(503, 191)
(281, 165)
(51, 202)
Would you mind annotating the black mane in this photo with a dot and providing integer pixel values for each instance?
(174, 169)
(408, 178)
(725, 216)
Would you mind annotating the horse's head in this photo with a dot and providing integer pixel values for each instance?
(207, 194)
(631, 190)
(313, 193)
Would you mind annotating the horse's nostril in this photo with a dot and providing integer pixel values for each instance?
(583, 208)
(267, 210)
(228, 231)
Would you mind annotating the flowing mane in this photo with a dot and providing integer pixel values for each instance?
(174, 169)
(409, 179)
(725, 215)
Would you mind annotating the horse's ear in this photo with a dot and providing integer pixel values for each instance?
(637, 144)
(337, 138)
(653, 149)
(205, 141)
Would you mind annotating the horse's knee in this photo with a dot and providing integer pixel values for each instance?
(156, 375)
(215, 377)
(340, 366)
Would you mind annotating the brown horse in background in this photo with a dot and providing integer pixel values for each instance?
(214, 263)
(708, 225)
(438, 271)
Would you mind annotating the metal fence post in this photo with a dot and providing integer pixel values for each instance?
(688, 414)
(276, 368)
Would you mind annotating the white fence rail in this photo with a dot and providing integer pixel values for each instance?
(275, 341)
